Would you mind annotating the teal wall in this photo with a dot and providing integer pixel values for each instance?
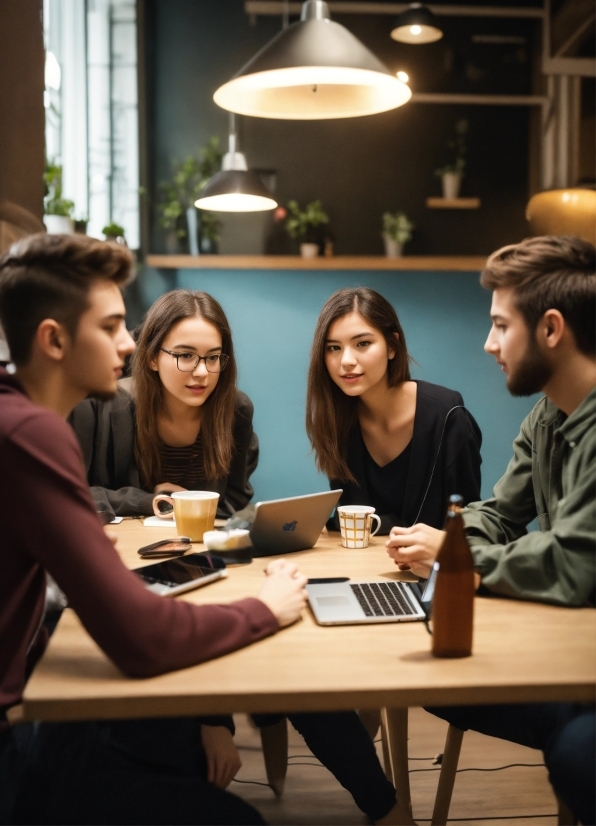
(445, 316)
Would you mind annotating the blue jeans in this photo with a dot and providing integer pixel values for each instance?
(564, 732)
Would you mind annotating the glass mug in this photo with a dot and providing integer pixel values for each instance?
(194, 511)
(355, 525)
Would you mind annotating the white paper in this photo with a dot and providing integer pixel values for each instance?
(157, 522)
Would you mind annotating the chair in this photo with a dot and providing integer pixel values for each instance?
(394, 734)
(447, 777)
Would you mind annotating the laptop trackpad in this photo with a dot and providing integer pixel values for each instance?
(328, 602)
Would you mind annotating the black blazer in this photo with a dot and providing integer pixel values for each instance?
(445, 459)
(105, 431)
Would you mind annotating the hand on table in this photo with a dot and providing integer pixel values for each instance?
(283, 592)
(113, 537)
(223, 760)
(415, 548)
(167, 487)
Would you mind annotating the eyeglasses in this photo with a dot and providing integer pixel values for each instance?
(188, 362)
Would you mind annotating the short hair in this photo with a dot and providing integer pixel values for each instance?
(50, 276)
(550, 273)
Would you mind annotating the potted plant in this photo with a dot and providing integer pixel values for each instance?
(57, 210)
(453, 172)
(305, 225)
(114, 232)
(397, 230)
(177, 205)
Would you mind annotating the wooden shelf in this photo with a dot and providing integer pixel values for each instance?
(453, 203)
(465, 263)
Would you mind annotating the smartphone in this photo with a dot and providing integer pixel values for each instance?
(165, 548)
(175, 576)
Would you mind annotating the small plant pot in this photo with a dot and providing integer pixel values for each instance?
(309, 250)
(451, 183)
(59, 224)
(393, 249)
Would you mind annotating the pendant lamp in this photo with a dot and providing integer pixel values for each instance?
(416, 25)
(235, 188)
(314, 69)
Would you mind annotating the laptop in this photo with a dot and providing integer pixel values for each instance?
(343, 602)
(294, 524)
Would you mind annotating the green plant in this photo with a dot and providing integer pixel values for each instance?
(54, 203)
(113, 230)
(188, 181)
(302, 224)
(397, 226)
(460, 147)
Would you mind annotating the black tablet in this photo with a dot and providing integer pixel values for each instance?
(174, 576)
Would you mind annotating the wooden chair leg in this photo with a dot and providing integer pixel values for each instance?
(447, 776)
(565, 815)
(394, 732)
(371, 720)
(274, 740)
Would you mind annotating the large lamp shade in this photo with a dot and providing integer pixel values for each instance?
(313, 70)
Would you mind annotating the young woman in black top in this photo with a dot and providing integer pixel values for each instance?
(399, 445)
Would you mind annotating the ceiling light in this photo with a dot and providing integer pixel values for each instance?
(403, 76)
(235, 188)
(416, 25)
(313, 70)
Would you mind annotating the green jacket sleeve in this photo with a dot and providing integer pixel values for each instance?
(555, 566)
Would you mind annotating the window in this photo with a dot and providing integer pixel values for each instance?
(91, 109)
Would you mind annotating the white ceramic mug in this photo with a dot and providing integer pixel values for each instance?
(194, 511)
(355, 525)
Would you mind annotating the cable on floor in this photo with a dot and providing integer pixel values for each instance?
(251, 782)
(494, 817)
(492, 769)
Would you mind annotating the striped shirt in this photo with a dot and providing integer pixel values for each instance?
(184, 465)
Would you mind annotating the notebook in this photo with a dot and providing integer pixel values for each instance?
(284, 525)
(347, 602)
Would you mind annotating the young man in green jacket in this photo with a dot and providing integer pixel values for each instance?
(543, 336)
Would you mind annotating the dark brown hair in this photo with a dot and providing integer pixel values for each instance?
(50, 276)
(218, 409)
(550, 273)
(330, 413)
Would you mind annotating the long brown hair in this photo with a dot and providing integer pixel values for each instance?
(218, 410)
(330, 413)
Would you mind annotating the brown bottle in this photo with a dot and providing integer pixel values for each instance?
(453, 600)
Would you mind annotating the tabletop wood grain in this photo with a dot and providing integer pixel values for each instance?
(522, 652)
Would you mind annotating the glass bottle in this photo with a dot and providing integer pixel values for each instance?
(453, 600)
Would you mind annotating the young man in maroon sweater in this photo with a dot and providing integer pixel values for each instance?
(63, 315)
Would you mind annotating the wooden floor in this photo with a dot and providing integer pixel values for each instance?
(516, 795)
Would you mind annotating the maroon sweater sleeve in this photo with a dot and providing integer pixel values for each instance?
(142, 633)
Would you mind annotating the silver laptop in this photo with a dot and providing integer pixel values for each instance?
(294, 524)
(343, 602)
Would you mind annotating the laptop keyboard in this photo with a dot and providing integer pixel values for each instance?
(382, 599)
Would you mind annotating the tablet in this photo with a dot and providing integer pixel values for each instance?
(175, 576)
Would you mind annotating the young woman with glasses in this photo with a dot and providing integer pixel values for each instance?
(400, 446)
(182, 423)
(179, 422)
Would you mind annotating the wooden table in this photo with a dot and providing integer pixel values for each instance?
(522, 652)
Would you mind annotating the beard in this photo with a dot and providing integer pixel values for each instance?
(532, 373)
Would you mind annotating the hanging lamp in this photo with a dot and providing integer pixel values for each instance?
(235, 188)
(416, 25)
(314, 69)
